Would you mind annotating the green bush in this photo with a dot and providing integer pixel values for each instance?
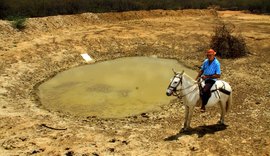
(226, 44)
(17, 22)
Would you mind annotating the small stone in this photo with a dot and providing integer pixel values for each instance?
(144, 115)
(34, 152)
(95, 154)
(37, 151)
(193, 148)
(111, 149)
(70, 153)
(125, 142)
(91, 117)
(113, 141)
(23, 138)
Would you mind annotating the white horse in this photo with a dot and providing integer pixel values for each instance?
(182, 85)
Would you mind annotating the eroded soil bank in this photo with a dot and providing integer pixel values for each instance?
(53, 44)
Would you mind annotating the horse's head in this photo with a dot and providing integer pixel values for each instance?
(175, 82)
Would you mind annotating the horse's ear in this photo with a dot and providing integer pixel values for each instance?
(182, 72)
(174, 71)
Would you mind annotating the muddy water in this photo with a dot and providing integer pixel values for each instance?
(111, 89)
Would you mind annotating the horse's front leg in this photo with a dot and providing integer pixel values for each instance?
(190, 110)
(188, 116)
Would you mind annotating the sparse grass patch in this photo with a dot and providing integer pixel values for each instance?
(17, 22)
(226, 44)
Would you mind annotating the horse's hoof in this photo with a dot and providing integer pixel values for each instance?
(220, 123)
(185, 130)
(202, 110)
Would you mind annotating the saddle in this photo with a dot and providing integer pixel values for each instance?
(221, 89)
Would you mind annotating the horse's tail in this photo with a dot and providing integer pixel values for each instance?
(229, 102)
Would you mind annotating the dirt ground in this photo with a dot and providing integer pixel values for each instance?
(49, 45)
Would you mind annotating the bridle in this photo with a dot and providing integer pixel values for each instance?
(177, 92)
(174, 88)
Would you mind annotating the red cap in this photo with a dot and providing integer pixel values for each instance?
(211, 51)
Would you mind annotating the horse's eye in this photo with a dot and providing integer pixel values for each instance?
(175, 82)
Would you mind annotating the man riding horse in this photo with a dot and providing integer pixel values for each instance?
(209, 72)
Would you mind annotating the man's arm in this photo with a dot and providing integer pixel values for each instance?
(199, 74)
(215, 76)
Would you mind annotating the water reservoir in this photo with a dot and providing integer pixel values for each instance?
(111, 89)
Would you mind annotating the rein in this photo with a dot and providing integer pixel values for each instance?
(180, 96)
(177, 92)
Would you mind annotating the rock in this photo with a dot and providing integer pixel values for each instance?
(125, 142)
(23, 138)
(144, 115)
(37, 151)
(113, 141)
(111, 149)
(193, 148)
(95, 154)
(34, 152)
(70, 153)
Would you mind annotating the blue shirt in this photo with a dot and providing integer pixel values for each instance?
(211, 68)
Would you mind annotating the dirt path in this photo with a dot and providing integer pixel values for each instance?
(53, 44)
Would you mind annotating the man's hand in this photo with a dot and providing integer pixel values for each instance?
(205, 77)
(215, 76)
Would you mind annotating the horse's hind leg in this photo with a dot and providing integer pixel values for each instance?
(223, 111)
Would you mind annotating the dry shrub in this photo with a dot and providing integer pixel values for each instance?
(226, 44)
(214, 7)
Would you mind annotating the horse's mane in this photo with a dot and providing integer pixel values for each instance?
(188, 77)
